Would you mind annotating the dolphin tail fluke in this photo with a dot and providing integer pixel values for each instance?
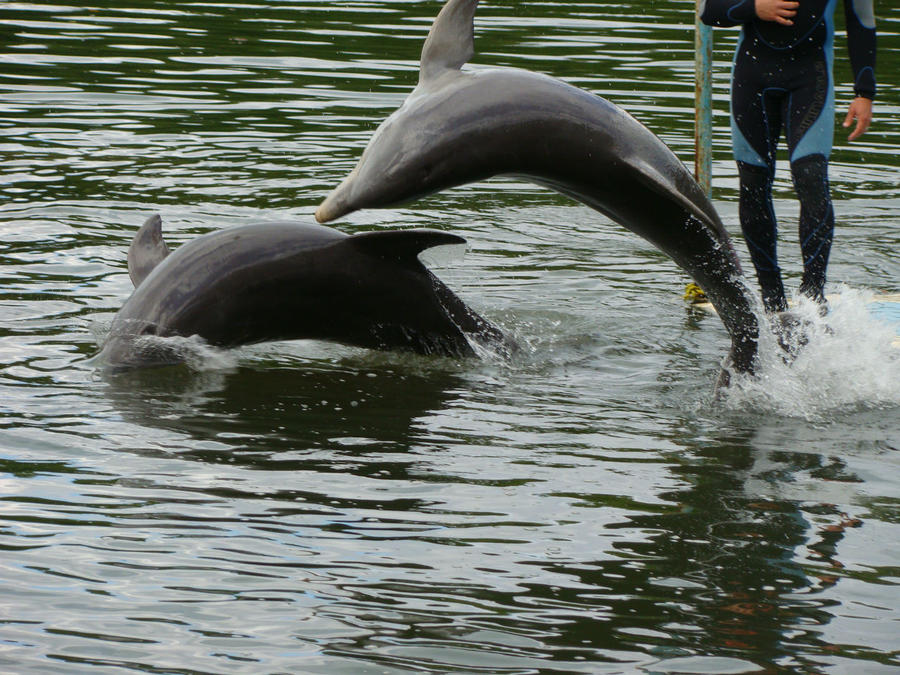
(147, 250)
(451, 41)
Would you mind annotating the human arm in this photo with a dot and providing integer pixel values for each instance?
(779, 11)
(861, 111)
(735, 12)
(726, 12)
(860, 20)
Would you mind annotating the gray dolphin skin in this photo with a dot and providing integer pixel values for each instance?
(290, 280)
(147, 250)
(461, 126)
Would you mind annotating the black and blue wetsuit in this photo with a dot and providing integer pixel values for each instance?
(782, 81)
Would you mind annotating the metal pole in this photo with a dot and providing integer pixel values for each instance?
(703, 53)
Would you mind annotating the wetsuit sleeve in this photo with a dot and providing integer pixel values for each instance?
(860, 16)
(727, 12)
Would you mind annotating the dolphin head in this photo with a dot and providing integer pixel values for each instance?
(417, 151)
(406, 157)
(394, 167)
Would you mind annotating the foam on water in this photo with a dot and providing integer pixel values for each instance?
(195, 352)
(849, 363)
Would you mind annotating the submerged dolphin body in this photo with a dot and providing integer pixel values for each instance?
(457, 127)
(288, 280)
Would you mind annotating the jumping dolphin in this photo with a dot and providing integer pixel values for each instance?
(459, 126)
(289, 280)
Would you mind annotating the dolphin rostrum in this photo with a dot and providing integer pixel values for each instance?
(290, 280)
(462, 126)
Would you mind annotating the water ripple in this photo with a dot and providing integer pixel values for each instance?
(301, 507)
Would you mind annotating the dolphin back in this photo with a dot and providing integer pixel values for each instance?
(289, 280)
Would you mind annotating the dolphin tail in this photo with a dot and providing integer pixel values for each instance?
(147, 250)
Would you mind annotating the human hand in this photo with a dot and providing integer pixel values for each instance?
(779, 11)
(861, 111)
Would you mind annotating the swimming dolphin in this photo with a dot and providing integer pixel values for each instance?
(458, 126)
(290, 280)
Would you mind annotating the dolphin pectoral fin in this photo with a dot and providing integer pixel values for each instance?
(451, 41)
(403, 245)
(147, 250)
(650, 176)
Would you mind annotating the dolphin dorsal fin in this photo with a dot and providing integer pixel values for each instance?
(451, 41)
(403, 245)
(147, 250)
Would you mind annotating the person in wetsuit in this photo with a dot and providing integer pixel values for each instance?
(782, 81)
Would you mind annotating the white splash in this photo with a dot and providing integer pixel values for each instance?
(851, 362)
(195, 352)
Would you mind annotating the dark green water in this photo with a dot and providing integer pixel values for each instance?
(307, 508)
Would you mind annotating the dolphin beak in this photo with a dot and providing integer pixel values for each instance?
(337, 204)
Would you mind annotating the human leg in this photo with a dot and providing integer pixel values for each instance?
(810, 134)
(756, 116)
(760, 231)
(816, 222)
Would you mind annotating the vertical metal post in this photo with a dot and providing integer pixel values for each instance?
(703, 56)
